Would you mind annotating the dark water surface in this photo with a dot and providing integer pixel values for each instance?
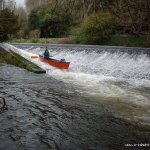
(43, 114)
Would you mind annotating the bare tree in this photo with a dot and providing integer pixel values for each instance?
(1, 4)
(22, 15)
(132, 15)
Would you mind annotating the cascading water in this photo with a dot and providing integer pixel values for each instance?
(99, 72)
(119, 64)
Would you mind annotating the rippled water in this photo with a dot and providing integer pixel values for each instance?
(101, 102)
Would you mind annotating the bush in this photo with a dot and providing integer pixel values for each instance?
(34, 34)
(33, 20)
(50, 23)
(96, 29)
(8, 24)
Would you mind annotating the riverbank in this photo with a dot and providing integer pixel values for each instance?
(115, 40)
(130, 40)
(67, 40)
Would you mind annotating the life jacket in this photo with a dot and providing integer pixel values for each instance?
(46, 54)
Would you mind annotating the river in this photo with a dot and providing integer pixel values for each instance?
(101, 103)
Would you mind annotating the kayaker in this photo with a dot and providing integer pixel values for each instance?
(46, 53)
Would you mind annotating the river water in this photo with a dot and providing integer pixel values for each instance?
(101, 103)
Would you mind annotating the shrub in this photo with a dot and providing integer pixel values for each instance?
(34, 33)
(96, 29)
(50, 23)
(8, 24)
(33, 20)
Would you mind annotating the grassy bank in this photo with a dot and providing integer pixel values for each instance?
(68, 40)
(115, 40)
(130, 40)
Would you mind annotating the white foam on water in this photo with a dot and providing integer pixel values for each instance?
(98, 73)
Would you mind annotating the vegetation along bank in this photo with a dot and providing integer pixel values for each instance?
(103, 22)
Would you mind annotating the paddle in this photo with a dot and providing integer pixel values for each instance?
(34, 57)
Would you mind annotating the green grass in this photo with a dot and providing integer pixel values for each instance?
(115, 40)
(44, 40)
(130, 40)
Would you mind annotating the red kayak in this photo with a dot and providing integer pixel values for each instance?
(62, 64)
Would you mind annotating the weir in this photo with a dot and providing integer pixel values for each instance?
(112, 49)
(108, 61)
(10, 57)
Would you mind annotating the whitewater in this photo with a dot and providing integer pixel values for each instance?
(113, 78)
